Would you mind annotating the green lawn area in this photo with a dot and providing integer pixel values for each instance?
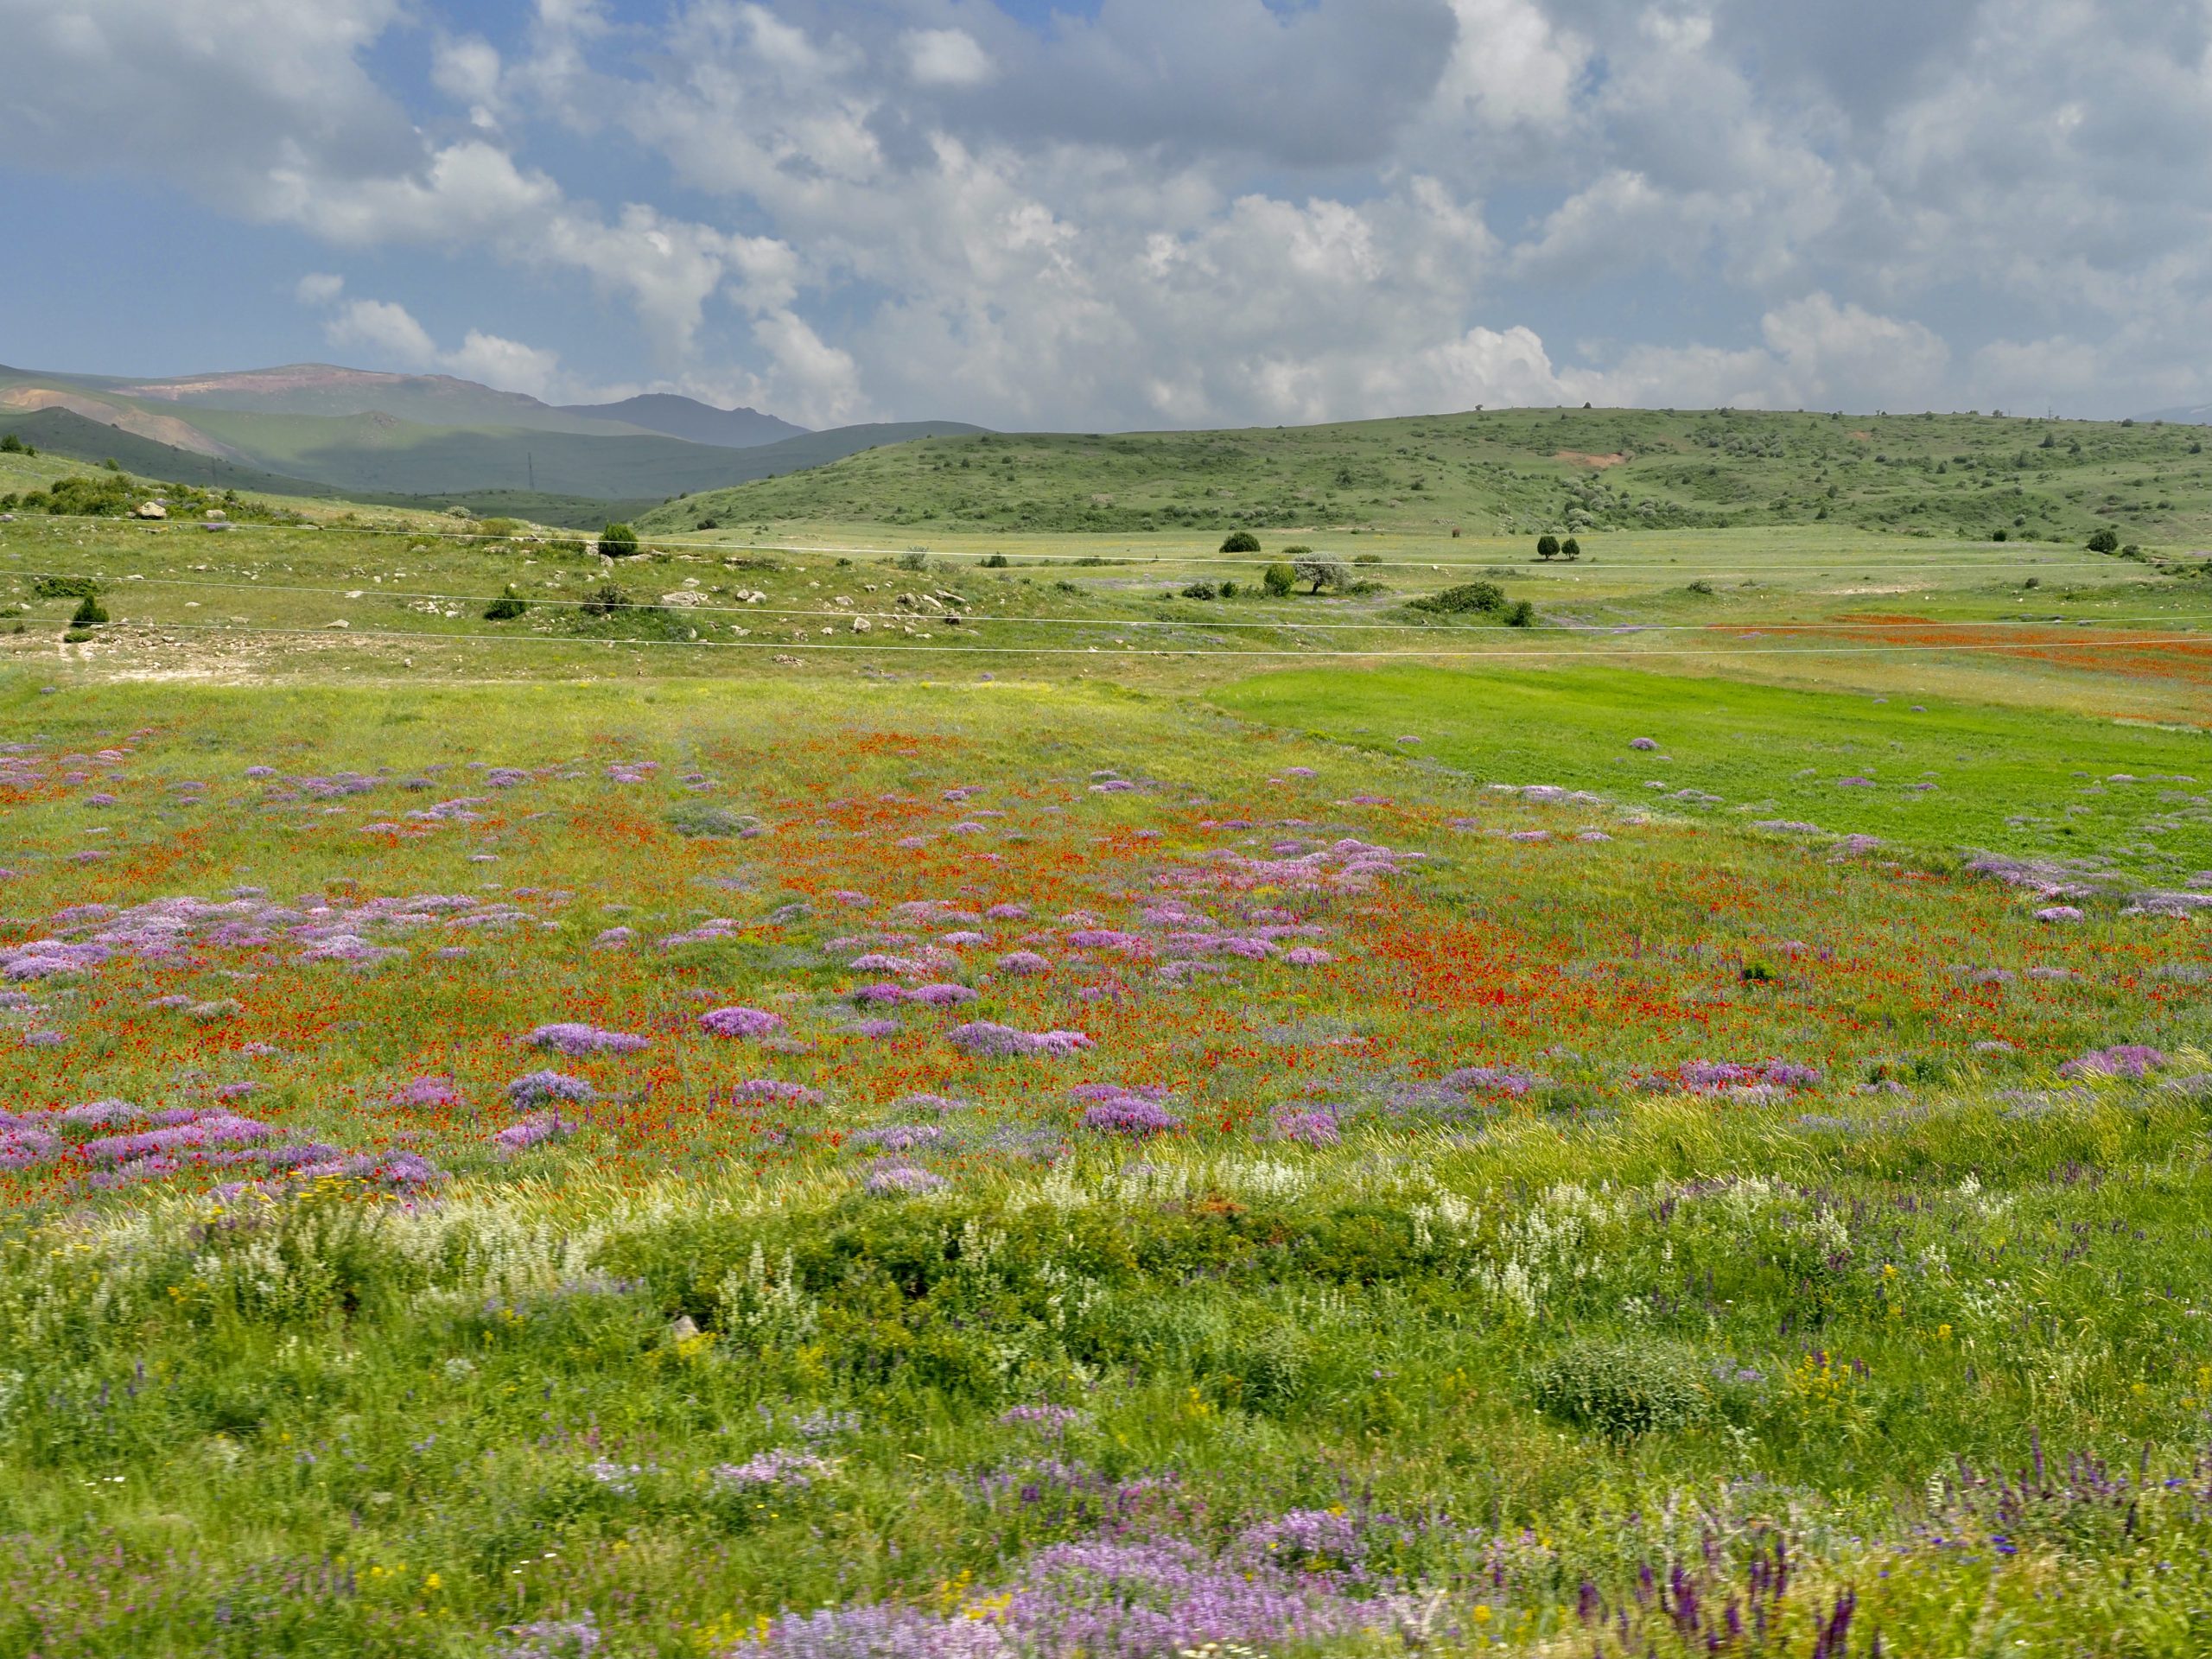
(1936, 776)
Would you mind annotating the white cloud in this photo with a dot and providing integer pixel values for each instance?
(507, 363)
(386, 331)
(319, 288)
(947, 57)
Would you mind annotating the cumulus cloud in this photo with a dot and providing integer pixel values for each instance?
(1122, 216)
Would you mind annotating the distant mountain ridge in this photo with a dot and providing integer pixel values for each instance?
(691, 420)
(2192, 415)
(370, 435)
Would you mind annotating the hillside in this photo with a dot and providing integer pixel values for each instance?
(689, 419)
(57, 432)
(1508, 471)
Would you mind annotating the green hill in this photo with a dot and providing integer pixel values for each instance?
(57, 432)
(1515, 470)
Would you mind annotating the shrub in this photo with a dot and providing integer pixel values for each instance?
(2104, 541)
(2001, 536)
(1522, 615)
(1201, 590)
(1228, 589)
(1619, 1390)
(995, 561)
(1369, 558)
(605, 600)
(90, 612)
(1548, 547)
(1467, 596)
(11, 445)
(1279, 580)
(508, 606)
(1367, 589)
(617, 541)
(1702, 586)
(1322, 569)
(1570, 549)
(498, 526)
(913, 560)
(1240, 541)
(65, 588)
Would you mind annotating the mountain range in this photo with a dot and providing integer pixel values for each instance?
(320, 429)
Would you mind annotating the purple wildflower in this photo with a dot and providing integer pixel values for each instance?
(899, 1137)
(569, 1037)
(1024, 962)
(1646, 744)
(1130, 1115)
(2127, 1060)
(431, 1091)
(1306, 955)
(900, 1180)
(2059, 914)
(1312, 1125)
(740, 1022)
(984, 1038)
(942, 997)
(533, 1087)
(533, 1130)
(776, 1468)
(774, 1089)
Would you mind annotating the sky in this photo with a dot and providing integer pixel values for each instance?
(1117, 214)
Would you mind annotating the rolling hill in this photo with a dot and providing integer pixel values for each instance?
(691, 420)
(1512, 471)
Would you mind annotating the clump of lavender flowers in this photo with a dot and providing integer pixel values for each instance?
(534, 1087)
(986, 1039)
(740, 1022)
(2126, 1060)
(571, 1037)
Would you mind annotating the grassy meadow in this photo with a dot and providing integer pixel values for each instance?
(802, 1096)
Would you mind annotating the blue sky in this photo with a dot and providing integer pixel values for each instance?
(1127, 212)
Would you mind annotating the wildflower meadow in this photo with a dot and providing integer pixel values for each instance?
(823, 1170)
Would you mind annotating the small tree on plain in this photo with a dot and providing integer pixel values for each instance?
(2104, 541)
(617, 541)
(1570, 549)
(1548, 547)
(1322, 569)
(1279, 581)
(1240, 541)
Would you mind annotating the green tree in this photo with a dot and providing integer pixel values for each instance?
(2104, 541)
(11, 445)
(508, 606)
(1322, 569)
(617, 541)
(1548, 547)
(1570, 549)
(1279, 580)
(90, 612)
(1240, 541)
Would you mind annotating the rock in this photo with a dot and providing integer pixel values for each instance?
(861, 625)
(684, 1328)
(151, 510)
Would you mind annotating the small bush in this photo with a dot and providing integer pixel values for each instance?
(1279, 580)
(1702, 586)
(1228, 590)
(11, 445)
(90, 613)
(912, 561)
(606, 601)
(1619, 1390)
(617, 541)
(2001, 536)
(1522, 615)
(1367, 589)
(1369, 558)
(995, 561)
(65, 588)
(508, 606)
(1201, 590)
(499, 527)
(1467, 596)
(2104, 541)
(1240, 541)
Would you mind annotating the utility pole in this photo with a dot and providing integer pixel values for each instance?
(529, 460)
